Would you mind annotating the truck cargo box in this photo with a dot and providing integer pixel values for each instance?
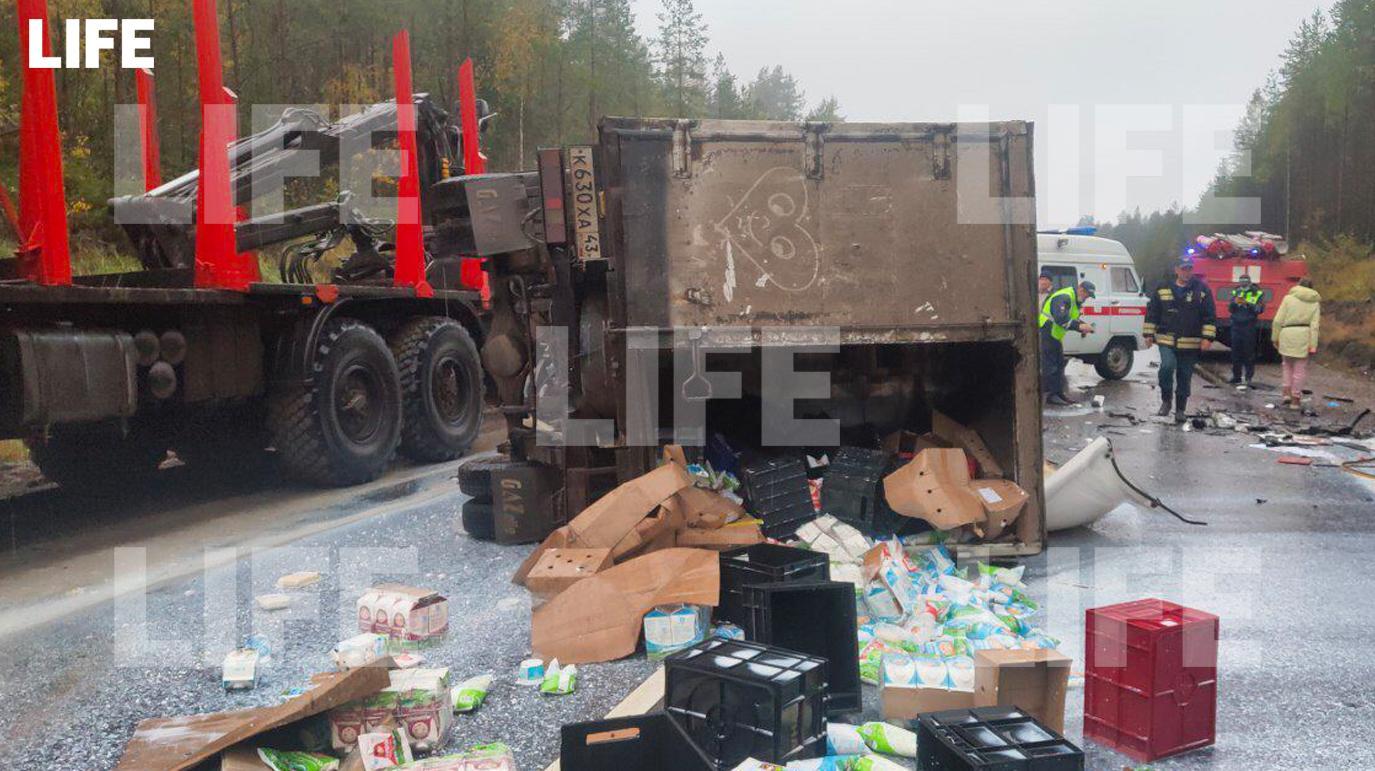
(899, 259)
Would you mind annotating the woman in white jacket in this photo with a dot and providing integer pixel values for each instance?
(1295, 335)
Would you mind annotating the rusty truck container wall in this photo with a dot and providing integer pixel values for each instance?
(859, 227)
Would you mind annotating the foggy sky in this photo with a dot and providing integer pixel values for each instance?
(917, 60)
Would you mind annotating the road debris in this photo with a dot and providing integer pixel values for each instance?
(298, 580)
(271, 602)
(531, 672)
(405, 614)
(469, 694)
(240, 670)
(278, 760)
(559, 679)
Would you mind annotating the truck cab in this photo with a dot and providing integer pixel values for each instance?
(1118, 313)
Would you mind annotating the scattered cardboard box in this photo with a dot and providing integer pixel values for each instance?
(177, 743)
(934, 486)
(613, 518)
(910, 685)
(706, 509)
(1003, 501)
(721, 539)
(897, 703)
(558, 569)
(1034, 681)
(654, 530)
(968, 440)
(417, 701)
(405, 613)
(242, 759)
(599, 618)
(607, 521)
(907, 443)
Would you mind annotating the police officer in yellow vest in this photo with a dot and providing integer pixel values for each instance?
(1060, 312)
(1245, 308)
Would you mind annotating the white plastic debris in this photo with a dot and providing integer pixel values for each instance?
(272, 601)
(298, 580)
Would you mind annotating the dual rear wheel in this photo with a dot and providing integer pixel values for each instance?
(419, 392)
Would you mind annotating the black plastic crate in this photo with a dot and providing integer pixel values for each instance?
(776, 491)
(813, 617)
(637, 743)
(853, 490)
(992, 739)
(734, 700)
(764, 563)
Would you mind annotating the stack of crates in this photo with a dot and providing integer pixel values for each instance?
(777, 492)
(1150, 686)
(853, 490)
(764, 563)
(734, 700)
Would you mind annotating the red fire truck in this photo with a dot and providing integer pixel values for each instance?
(1221, 260)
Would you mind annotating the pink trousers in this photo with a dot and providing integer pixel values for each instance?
(1295, 372)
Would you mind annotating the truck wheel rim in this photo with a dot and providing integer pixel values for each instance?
(1116, 358)
(449, 387)
(358, 400)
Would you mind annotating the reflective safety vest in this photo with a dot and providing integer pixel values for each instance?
(1057, 331)
(1250, 296)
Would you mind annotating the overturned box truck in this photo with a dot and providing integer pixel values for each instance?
(725, 282)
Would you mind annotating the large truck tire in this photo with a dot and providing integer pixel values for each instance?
(479, 522)
(344, 428)
(94, 459)
(441, 388)
(475, 476)
(1115, 362)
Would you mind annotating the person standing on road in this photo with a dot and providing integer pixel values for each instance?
(1181, 317)
(1245, 308)
(1295, 334)
(1060, 312)
(1043, 286)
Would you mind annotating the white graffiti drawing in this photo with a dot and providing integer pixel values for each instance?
(765, 227)
(728, 286)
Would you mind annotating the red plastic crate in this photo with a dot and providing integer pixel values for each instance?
(1150, 687)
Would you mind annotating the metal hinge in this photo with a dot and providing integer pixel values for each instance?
(682, 148)
(940, 156)
(816, 146)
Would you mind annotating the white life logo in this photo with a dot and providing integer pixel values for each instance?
(98, 35)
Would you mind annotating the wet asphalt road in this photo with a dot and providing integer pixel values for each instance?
(1289, 577)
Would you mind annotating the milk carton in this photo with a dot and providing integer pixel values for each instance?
(404, 613)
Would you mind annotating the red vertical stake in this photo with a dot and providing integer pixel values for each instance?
(148, 129)
(45, 255)
(410, 239)
(471, 273)
(474, 162)
(218, 263)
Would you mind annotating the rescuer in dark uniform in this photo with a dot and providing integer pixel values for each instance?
(1060, 312)
(1245, 309)
(1181, 317)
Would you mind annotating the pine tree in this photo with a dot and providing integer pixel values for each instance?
(682, 57)
(774, 95)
